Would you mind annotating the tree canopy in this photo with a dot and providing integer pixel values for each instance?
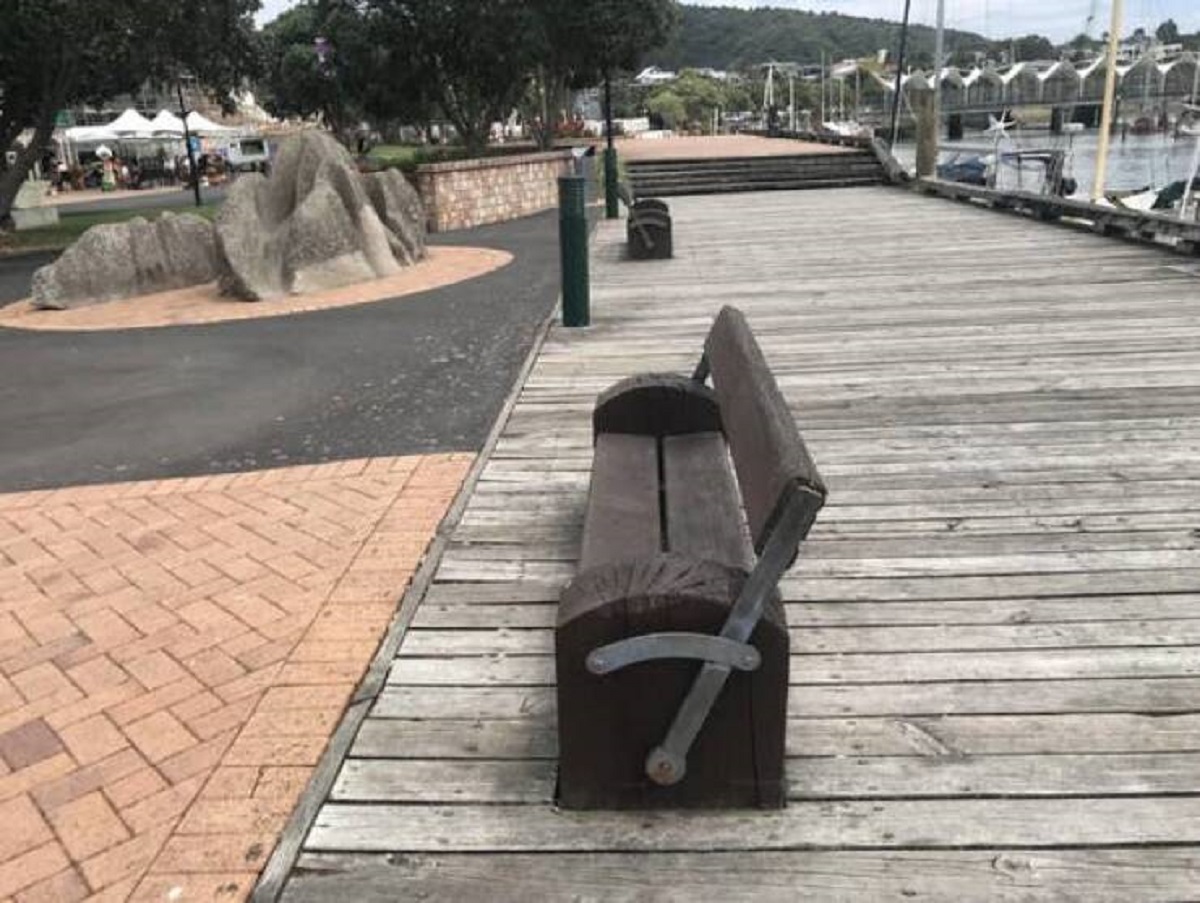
(58, 53)
(472, 60)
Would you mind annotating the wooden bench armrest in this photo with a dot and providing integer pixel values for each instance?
(667, 762)
(651, 647)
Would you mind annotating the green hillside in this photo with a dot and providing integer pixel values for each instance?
(730, 38)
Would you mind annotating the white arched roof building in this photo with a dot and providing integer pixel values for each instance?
(1060, 83)
(984, 86)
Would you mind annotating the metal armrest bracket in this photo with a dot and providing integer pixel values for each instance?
(667, 762)
(656, 646)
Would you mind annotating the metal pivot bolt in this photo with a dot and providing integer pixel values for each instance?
(573, 245)
(665, 768)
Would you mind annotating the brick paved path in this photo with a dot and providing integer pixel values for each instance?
(174, 656)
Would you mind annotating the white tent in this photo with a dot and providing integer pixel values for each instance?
(167, 123)
(201, 126)
(132, 124)
(88, 133)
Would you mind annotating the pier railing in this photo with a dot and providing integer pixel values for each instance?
(1121, 222)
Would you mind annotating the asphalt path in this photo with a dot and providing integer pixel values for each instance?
(419, 374)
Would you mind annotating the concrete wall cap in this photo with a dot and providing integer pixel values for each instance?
(494, 162)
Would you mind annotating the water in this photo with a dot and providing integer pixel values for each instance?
(1137, 161)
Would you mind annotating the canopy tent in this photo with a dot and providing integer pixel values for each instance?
(132, 124)
(199, 125)
(87, 134)
(167, 123)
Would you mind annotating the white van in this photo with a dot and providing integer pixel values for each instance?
(247, 153)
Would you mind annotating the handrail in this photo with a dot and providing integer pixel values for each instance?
(1122, 222)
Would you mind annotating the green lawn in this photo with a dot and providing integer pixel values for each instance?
(70, 227)
(407, 157)
(410, 156)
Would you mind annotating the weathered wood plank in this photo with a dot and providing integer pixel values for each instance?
(803, 615)
(809, 640)
(533, 737)
(939, 876)
(483, 781)
(1166, 695)
(1015, 665)
(879, 824)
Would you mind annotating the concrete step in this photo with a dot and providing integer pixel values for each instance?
(747, 162)
(668, 178)
(763, 171)
(679, 189)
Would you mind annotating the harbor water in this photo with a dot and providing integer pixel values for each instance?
(1135, 161)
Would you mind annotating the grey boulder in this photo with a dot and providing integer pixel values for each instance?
(399, 206)
(312, 225)
(120, 260)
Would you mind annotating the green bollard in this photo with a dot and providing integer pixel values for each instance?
(573, 245)
(612, 207)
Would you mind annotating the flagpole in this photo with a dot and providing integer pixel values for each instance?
(1110, 90)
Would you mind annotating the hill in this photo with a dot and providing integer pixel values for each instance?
(730, 38)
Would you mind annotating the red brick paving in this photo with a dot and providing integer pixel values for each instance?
(174, 657)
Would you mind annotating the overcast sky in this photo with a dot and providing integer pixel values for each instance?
(1059, 19)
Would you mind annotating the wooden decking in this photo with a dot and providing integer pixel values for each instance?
(995, 622)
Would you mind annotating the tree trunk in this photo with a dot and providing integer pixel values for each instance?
(475, 138)
(11, 178)
(545, 137)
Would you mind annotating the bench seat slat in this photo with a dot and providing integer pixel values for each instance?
(623, 509)
(704, 513)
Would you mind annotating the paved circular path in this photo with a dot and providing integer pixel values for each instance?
(204, 304)
(426, 373)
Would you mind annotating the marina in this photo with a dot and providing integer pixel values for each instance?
(1135, 162)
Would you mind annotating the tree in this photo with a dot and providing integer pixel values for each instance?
(322, 57)
(578, 44)
(665, 102)
(469, 53)
(1034, 47)
(57, 53)
(1168, 33)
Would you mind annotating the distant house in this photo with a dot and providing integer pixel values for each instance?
(652, 75)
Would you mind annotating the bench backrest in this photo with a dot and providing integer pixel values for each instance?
(769, 456)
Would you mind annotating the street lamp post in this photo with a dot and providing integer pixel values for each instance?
(612, 204)
(187, 140)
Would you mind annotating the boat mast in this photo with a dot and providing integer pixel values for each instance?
(1110, 90)
(822, 89)
(895, 131)
(939, 53)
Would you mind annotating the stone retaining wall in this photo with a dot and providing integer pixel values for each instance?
(468, 193)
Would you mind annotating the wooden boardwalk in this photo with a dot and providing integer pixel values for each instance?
(995, 622)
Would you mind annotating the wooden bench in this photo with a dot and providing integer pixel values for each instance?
(671, 643)
(648, 230)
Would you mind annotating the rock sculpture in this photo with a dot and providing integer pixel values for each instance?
(314, 224)
(399, 206)
(120, 260)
